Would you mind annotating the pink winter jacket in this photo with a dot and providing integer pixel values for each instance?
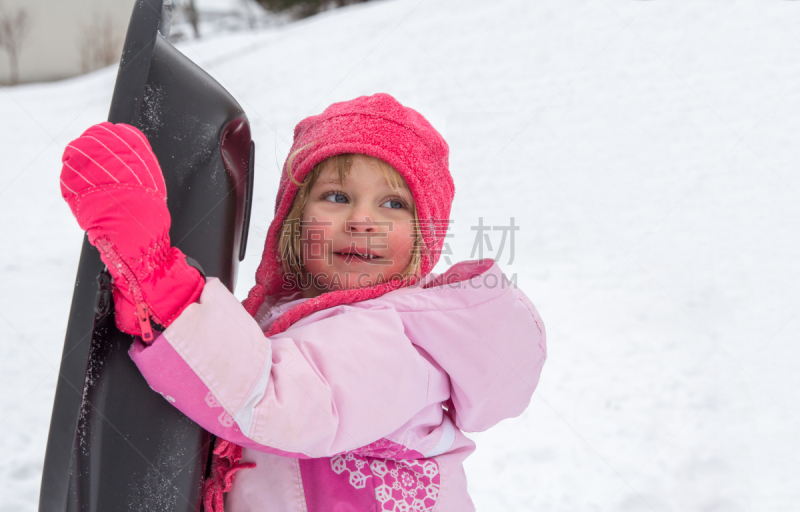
(358, 407)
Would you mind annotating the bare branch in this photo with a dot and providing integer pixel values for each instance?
(194, 17)
(13, 25)
(100, 43)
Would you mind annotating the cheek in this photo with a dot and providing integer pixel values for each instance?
(316, 244)
(401, 241)
(316, 224)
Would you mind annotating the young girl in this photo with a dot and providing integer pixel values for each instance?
(346, 378)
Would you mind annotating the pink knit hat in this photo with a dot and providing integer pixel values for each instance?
(377, 126)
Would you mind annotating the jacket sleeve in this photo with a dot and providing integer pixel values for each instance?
(495, 349)
(335, 381)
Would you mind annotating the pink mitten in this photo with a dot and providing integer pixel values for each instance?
(114, 186)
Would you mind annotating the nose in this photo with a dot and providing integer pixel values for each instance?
(361, 221)
(362, 224)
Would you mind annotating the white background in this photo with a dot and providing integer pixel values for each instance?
(647, 150)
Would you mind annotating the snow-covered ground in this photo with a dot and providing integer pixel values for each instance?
(649, 153)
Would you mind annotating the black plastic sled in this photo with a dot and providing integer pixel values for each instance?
(115, 444)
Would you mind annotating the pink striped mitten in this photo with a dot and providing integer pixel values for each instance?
(114, 187)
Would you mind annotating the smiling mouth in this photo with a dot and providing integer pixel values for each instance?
(357, 256)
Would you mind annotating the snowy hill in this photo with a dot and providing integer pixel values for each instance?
(647, 151)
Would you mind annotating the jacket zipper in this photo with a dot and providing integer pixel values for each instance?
(142, 311)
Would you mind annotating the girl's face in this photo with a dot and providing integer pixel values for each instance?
(357, 234)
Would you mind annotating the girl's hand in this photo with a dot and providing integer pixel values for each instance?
(114, 186)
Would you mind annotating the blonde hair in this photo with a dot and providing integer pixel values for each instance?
(289, 246)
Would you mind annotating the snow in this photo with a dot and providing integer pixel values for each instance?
(648, 152)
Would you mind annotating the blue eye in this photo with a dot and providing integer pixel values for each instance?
(336, 197)
(394, 204)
